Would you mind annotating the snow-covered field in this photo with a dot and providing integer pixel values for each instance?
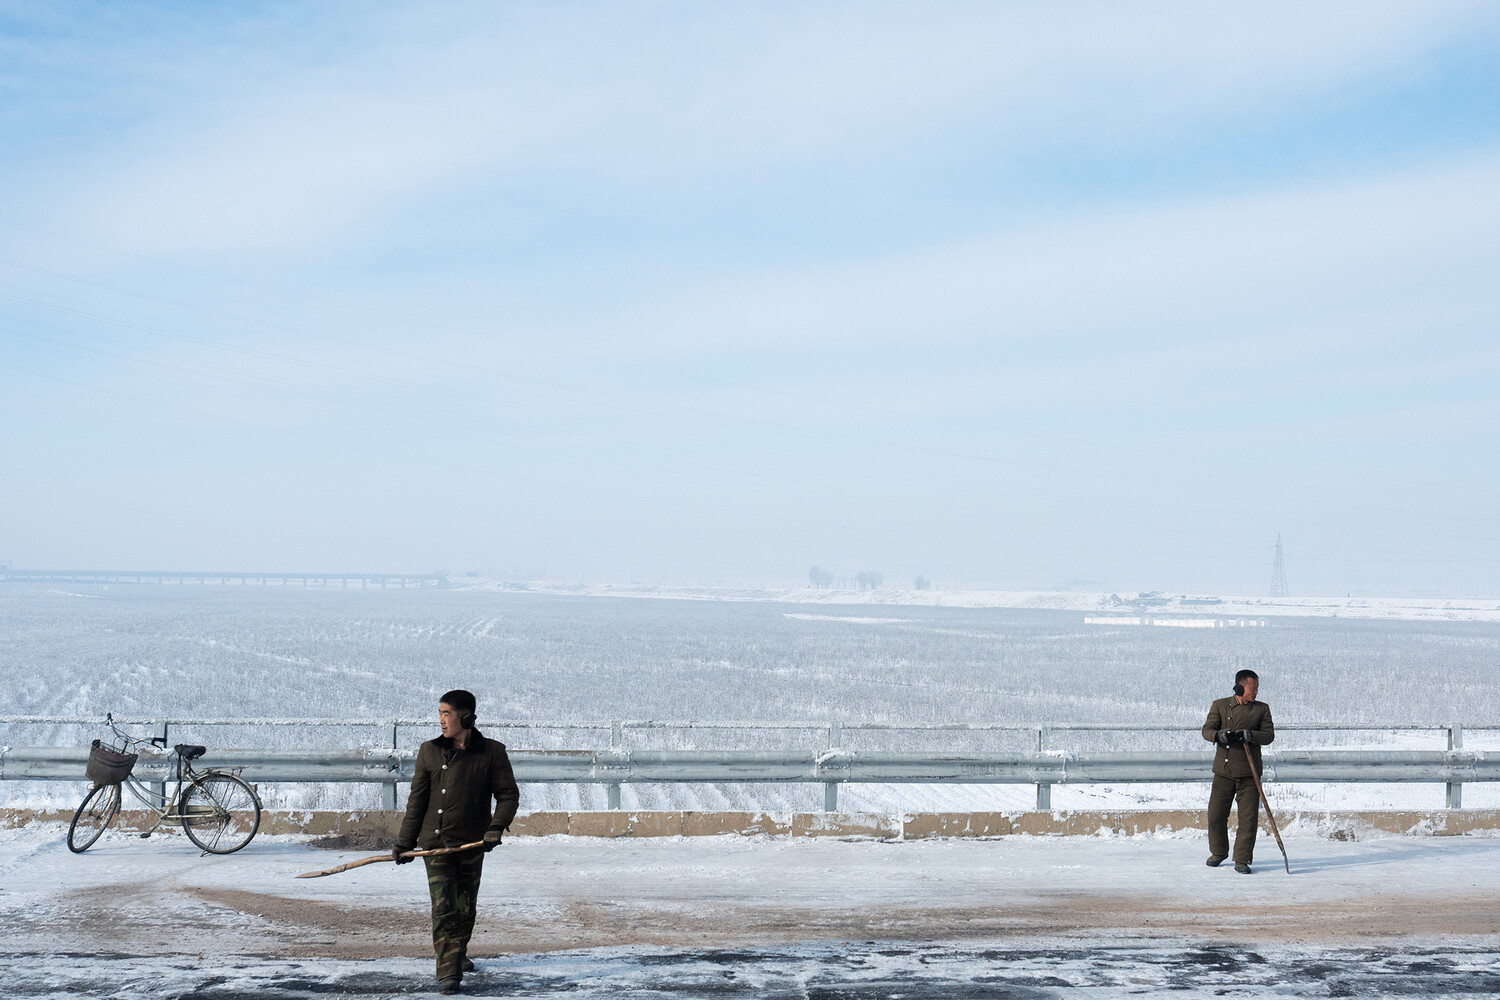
(193, 652)
(1476, 609)
(757, 917)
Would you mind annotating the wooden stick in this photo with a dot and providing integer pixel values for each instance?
(376, 859)
(1266, 802)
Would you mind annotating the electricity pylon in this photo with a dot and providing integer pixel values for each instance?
(1278, 573)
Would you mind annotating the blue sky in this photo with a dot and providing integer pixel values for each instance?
(1021, 295)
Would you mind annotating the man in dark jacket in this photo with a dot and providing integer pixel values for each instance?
(456, 776)
(1235, 723)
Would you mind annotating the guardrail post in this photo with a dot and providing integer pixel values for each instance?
(616, 740)
(1043, 788)
(160, 787)
(1455, 788)
(831, 788)
(388, 790)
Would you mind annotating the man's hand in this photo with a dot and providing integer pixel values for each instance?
(491, 840)
(1231, 737)
(1246, 736)
(1222, 737)
(398, 856)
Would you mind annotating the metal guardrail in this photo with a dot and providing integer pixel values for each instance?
(670, 766)
(389, 766)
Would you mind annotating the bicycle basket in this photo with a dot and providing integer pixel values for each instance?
(108, 766)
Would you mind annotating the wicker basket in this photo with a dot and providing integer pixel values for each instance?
(108, 766)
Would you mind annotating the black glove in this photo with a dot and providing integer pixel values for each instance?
(1222, 737)
(398, 857)
(1231, 737)
(1246, 736)
(491, 840)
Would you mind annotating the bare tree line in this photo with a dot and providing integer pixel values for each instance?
(865, 579)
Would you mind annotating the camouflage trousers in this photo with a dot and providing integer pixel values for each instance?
(453, 882)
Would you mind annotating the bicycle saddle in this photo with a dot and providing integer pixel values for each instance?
(189, 752)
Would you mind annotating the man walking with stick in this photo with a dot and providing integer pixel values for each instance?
(456, 777)
(1240, 726)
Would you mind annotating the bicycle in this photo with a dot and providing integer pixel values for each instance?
(219, 812)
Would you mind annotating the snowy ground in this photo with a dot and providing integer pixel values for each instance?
(561, 667)
(843, 972)
(1472, 609)
(735, 917)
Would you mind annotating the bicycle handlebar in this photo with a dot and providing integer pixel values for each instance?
(128, 740)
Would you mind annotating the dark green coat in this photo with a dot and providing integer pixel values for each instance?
(1228, 713)
(451, 791)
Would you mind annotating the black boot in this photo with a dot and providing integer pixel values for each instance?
(1214, 861)
(468, 964)
(1242, 868)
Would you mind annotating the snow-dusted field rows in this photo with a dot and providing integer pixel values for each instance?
(195, 652)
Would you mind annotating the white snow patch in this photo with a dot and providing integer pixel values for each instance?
(1476, 609)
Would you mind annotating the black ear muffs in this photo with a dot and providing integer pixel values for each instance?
(1239, 689)
(468, 719)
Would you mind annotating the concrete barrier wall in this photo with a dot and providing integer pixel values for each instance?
(876, 826)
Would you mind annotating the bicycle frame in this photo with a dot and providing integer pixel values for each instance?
(166, 807)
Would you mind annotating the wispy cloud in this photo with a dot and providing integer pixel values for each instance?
(330, 144)
(778, 273)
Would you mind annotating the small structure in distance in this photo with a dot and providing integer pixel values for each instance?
(1278, 573)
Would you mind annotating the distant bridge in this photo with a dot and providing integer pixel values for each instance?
(222, 578)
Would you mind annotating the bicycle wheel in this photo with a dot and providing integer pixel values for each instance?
(97, 809)
(220, 813)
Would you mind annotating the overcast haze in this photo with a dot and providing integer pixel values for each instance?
(1020, 295)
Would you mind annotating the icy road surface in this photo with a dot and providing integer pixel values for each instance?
(731, 917)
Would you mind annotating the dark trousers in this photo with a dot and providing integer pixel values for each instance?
(453, 881)
(1241, 793)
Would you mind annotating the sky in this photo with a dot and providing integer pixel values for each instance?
(1014, 295)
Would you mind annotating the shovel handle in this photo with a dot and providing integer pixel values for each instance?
(377, 858)
(1270, 816)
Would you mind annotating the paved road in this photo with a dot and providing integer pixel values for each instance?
(730, 918)
(861, 971)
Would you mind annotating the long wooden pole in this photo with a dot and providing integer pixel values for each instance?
(1266, 802)
(376, 859)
